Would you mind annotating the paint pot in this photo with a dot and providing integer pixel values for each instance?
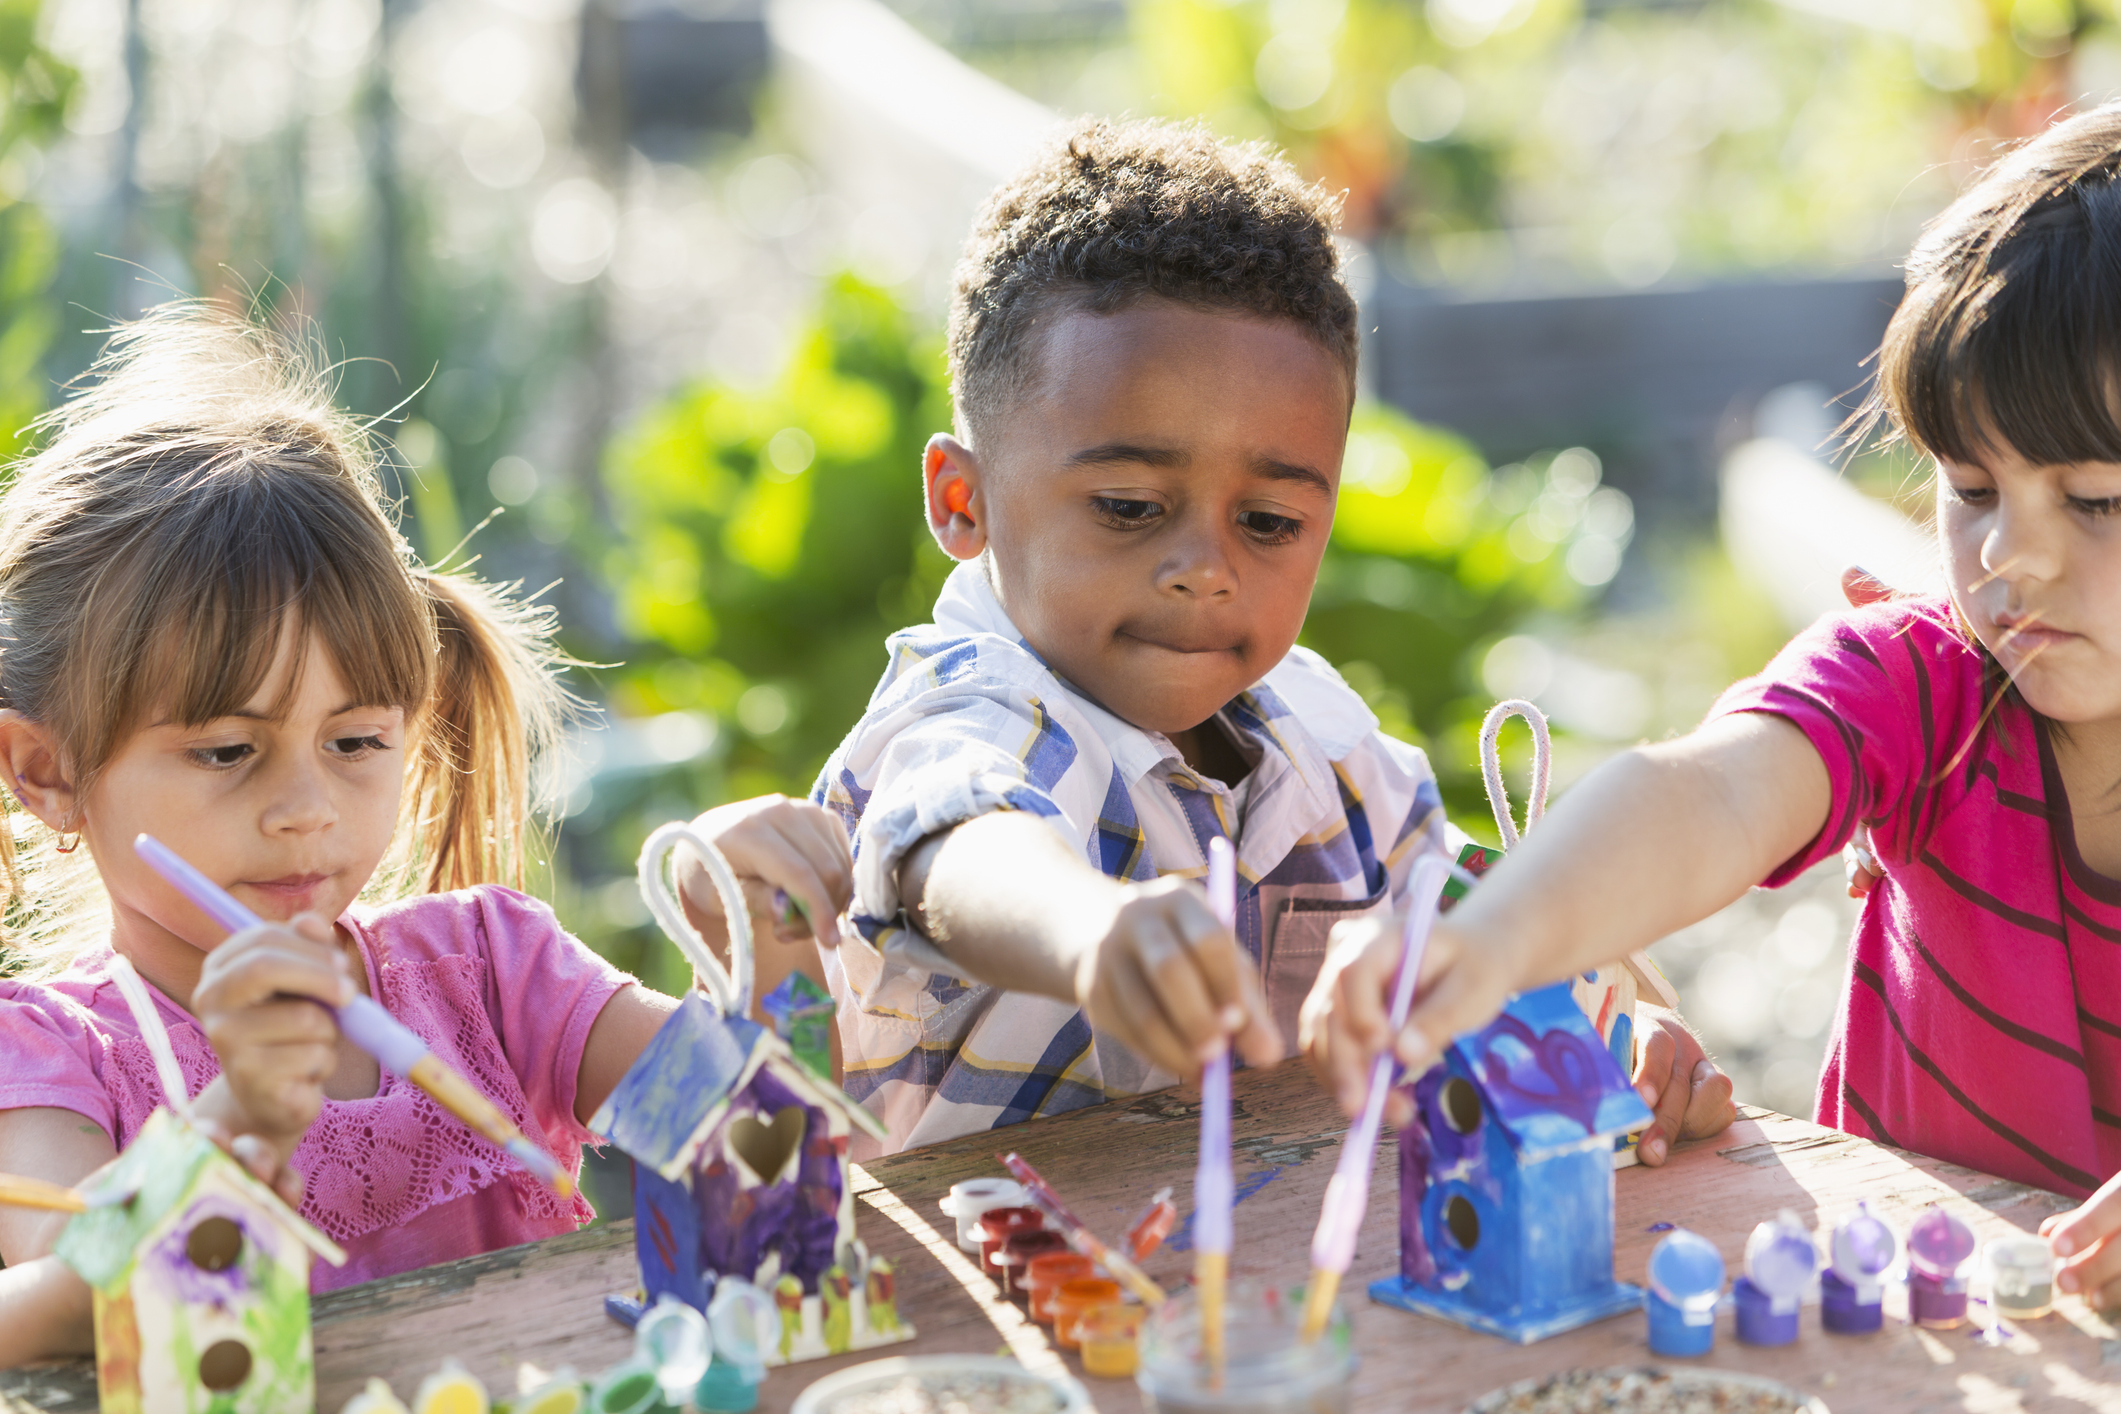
(742, 1319)
(1268, 1368)
(998, 1225)
(1110, 1339)
(672, 1338)
(1938, 1246)
(1017, 1254)
(1686, 1283)
(1852, 1289)
(451, 1390)
(626, 1388)
(724, 1389)
(1779, 1261)
(1043, 1278)
(561, 1393)
(969, 1200)
(1076, 1299)
(2021, 1277)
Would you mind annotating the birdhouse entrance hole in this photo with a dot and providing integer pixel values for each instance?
(1461, 1221)
(214, 1246)
(225, 1364)
(767, 1147)
(1460, 1103)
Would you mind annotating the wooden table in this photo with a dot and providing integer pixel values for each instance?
(543, 1302)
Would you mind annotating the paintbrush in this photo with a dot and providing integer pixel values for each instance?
(1212, 1185)
(394, 1045)
(16, 1191)
(1079, 1237)
(1348, 1193)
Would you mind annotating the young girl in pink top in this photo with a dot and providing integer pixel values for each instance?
(211, 632)
(1976, 735)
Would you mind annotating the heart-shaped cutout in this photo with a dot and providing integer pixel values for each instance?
(768, 1148)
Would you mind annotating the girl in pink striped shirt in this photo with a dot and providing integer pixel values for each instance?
(211, 632)
(1975, 735)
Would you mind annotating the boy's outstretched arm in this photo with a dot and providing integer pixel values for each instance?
(1148, 963)
(1654, 840)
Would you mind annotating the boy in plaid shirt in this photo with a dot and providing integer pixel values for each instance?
(1153, 361)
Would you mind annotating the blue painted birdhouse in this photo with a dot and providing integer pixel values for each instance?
(1506, 1176)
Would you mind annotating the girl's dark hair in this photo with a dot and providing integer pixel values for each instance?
(2010, 332)
(197, 500)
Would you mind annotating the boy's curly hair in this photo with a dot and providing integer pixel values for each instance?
(1112, 213)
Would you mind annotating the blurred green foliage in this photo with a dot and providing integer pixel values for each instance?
(768, 541)
(34, 88)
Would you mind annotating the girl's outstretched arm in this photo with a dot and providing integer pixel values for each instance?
(44, 1307)
(1654, 840)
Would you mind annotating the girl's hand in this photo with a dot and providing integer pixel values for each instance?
(1675, 1077)
(771, 843)
(2088, 1241)
(1344, 1026)
(263, 999)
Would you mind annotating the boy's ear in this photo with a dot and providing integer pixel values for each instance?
(31, 760)
(950, 476)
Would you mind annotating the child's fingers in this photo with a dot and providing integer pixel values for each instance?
(1709, 1109)
(1462, 988)
(838, 870)
(1128, 997)
(1664, 1091)
(259, 963)
(1214, 953)
(1260, 1042)
(2099, 1217)
(1176, 957)
(2095, 1274)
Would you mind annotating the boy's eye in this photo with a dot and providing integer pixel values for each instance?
(1126, 512)
(2101, 506)
(1267, 526)
(220, 757)
(358, 745)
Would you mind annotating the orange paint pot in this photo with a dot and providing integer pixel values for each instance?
(1043, 1278)
(1077, 1299)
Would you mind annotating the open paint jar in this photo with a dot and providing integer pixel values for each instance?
(998, 1225)
(1015, 1258)
(970, 1200)
(1938, 1249)
(1043, 1279)
(2021, 1277)
(1266, 1370)
(1110, 1337)
(1077, 1299)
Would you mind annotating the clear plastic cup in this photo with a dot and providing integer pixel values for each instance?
(2021, 1277)
(1266, 1369)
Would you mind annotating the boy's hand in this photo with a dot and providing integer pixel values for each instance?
(262, 1000)
(1171, 983)
(1344, 1024)
(1675, 1078)
(2088, 1240)
(771, 843)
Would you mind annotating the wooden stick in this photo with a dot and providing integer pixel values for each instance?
(17, 1191)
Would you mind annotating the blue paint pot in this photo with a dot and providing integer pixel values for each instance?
(1844, 1309)
(1762, 1319)
(1686, 1284)
(1779, 1262)
(1852, 1290)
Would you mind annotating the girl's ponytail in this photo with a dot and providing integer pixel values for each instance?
(487, 735)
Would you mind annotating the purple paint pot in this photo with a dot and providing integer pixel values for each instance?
(1852, 1291)
(1938, 1246)
(1779, 1262)
(1686, 1283)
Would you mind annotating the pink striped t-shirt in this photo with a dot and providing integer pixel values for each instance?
(488, 979)
(1981, 1020)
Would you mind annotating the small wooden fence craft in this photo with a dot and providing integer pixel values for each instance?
(740, 1152)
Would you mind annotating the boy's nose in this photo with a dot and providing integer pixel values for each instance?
(1198, 568)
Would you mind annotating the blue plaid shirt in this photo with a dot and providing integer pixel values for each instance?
(966, 720)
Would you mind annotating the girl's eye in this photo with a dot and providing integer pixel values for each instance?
(1121, 511)
(1972, 495)
(2102, 506)
(357, 745)
(1269, 527)
(221, 757)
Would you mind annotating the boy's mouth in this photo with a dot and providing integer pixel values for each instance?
(1174, 643)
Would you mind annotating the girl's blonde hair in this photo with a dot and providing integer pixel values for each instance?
(197, 496)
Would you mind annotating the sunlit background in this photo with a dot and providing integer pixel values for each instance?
(663, 281)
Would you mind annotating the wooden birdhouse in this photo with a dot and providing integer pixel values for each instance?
(739, 1150)
(200, 1275)
(1506, 1176)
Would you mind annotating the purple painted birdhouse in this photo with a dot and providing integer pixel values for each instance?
(739, 1151)
(1506, 1176)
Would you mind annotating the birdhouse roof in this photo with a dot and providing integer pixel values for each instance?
(679, 1090)
(155, 1175)
(1548, 1079)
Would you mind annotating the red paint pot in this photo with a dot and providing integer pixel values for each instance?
(998, 1225)
(1016, 1254)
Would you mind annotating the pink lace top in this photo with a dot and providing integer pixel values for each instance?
(486, 976)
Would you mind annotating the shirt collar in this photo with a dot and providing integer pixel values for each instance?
(1301, 708)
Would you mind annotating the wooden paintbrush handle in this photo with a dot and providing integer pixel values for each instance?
(19, 1192)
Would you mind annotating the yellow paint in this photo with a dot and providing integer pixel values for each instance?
(566, 1399)
(451, 1390)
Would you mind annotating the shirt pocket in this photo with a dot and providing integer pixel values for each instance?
(1302, 928)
